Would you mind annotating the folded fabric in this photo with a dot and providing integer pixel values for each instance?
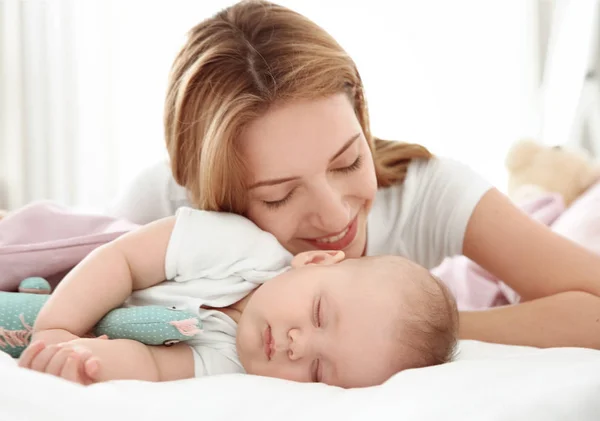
(581, 222)
(47, 240)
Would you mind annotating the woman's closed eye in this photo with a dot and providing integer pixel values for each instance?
(275, 204)
(350, 168)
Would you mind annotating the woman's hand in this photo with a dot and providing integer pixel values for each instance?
(68, 360)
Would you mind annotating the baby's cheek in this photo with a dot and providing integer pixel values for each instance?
(283, 371)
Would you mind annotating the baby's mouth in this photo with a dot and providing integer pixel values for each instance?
(268, 342)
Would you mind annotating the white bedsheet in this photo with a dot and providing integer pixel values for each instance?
(487, 382)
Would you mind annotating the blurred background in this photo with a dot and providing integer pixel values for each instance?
(82, 82)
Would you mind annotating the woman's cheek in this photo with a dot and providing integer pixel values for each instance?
(274, 221)
(366, 180)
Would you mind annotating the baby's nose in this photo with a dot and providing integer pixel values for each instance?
(295, 343)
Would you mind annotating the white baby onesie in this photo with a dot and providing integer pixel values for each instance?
(214, 259)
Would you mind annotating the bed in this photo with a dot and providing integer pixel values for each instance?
(486, 382)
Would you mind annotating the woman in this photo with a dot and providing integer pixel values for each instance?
(266, 117)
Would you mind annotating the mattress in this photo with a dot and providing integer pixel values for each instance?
(486, 382)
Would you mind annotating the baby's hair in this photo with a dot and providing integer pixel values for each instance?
(426, 323)
(433, 332)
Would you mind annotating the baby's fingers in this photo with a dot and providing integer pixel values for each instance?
(58, 360)
(72, 369)
(37, 356)
(43, 358)
(30, 353)
(92, 368)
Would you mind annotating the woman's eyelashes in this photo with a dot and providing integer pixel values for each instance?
(276, 204)
(350, 168)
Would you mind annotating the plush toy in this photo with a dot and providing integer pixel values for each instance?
(534, 169)
(151, 325)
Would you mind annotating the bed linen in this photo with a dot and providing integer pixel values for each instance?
(486, 382)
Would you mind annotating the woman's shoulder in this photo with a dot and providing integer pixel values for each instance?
(151, 194)
(432, 177)
(425, 216)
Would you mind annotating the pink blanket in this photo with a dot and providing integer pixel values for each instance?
(47, 240)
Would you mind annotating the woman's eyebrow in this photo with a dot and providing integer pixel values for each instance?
(272, 182)
(345, 147)
(276, 181)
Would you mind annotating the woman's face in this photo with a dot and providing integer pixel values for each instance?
(312, 179)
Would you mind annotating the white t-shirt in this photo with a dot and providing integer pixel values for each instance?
(214, 260)
(423, 219)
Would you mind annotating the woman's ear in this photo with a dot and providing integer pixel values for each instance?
(318, 257)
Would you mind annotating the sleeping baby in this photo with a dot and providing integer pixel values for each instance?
(316, 317)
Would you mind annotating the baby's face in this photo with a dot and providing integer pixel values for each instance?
(330, 323)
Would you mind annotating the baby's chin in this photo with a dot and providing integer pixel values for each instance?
(250, 366)
(243, 339)
(242, 355)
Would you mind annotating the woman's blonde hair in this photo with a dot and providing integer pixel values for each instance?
(233, 67)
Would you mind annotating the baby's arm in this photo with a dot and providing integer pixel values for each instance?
(89, 361)
(103, 281)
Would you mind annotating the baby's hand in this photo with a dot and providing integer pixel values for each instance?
(53, 336)
(68, 360)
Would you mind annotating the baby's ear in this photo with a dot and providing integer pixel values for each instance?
(318, 257)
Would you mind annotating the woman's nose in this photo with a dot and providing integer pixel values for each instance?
(331, 211)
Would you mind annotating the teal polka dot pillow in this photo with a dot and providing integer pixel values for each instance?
(151, 325)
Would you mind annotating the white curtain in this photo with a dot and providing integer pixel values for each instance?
(570, 111)
(56, 123)
(82, 83)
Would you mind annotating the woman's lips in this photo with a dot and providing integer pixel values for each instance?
(268, 342)
(332, 242)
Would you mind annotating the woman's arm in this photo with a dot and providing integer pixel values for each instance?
(525, 254)
(565, 319)
(105, 278)
(559, 279)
